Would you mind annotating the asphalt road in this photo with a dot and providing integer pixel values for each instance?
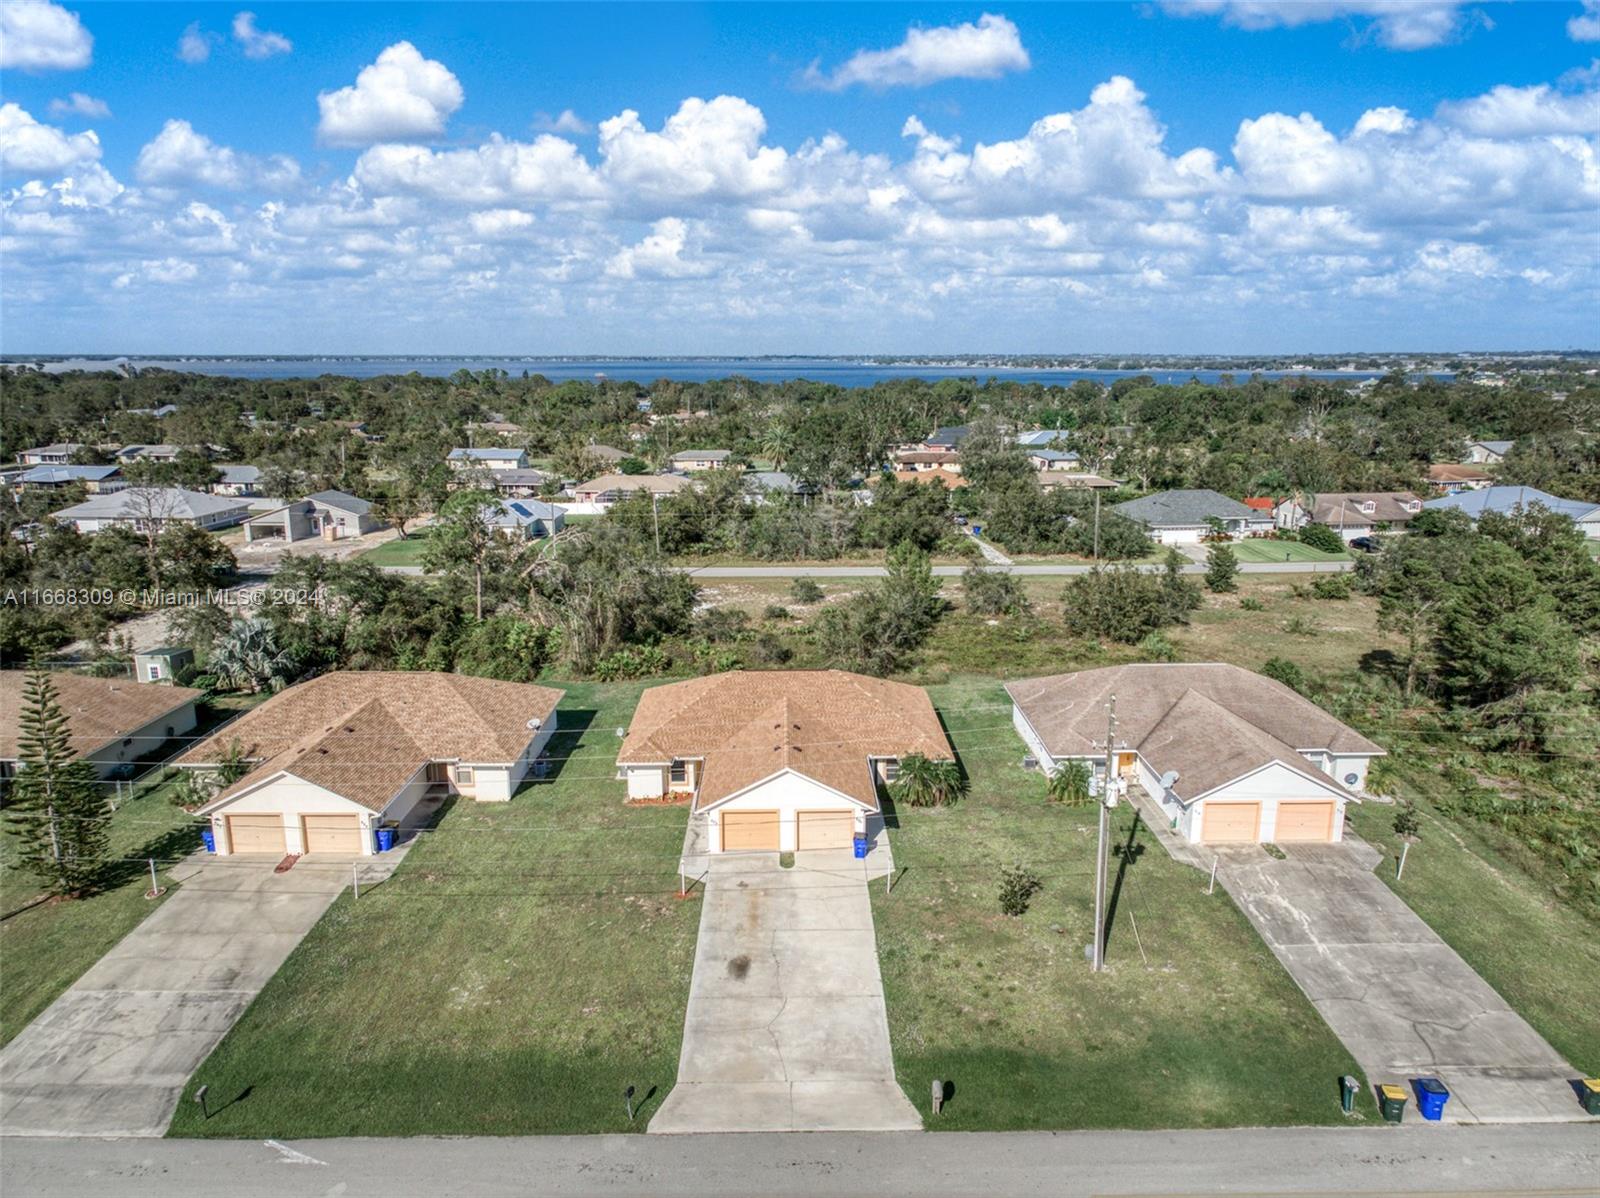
(1527, 1161)
(1026, 571)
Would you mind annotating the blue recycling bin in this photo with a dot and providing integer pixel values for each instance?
(1431, 1097)
(977, 530)
(385, 839)
(208, 838)
(859, 843)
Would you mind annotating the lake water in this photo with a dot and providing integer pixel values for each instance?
(843, 372)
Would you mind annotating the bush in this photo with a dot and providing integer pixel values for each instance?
(805, 590)
(1222, 569)
(990, 593)
(1320, 536)
(1018, 885)
(1300, 626)
(720, 624)
(1156, 647)
(1251, 603)
(1124, 604)
(632, 663)
(1407, 824)
(1331, 586)
(776, 611)
(1281, 669)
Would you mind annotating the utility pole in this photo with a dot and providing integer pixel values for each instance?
(655, 518)
(1097, 955)
(1097, 525)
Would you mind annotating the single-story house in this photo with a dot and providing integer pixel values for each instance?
(778, 760)
(1261, 503)
(236, 480)
(111, 722)
(1043, 438)
(761, 484)
(519, 484)
(141, 507)
(1508, 501)
(1351, 514)
(1073, 480)
(1053, 460)
(949, 478)
(947, 437)
(608, 454)
(330, 514)
(499, 428)
(96, 480)
(487, 458)
(1185, 517)
(701, 459)
(1453, 479)
(148, 453)
(1228, 755)
(525, 518)
(334, 758)
(1488, 453)
(928, 459)
(58, 454)
(608, 488)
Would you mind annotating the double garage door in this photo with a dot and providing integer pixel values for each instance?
(319, 834)
(1235, 823)
(757, 831)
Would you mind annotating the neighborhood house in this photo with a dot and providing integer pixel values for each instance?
(142, 508)
(608, 488)
(111, 722)
(58, 454)
(332, 515)
(1451, 478)
(488, 458)
(701, 459)
(525, 518)
(95, 480)
(333, 759)
(1351, 514)
(1186, 517)
(1226, 754)
(778, 760)
(1510, 501)
(1488, 453)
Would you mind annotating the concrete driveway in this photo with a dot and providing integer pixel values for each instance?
(1400, 999)
(111, 1056)
(786, 1028)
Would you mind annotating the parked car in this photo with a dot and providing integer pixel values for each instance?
(1366, 544)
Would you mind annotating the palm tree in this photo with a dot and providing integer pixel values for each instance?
(249, 658)
(1069, 784)
(923, 782)
(778, 444)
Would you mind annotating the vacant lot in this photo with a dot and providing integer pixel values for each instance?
(399, 552)
(526, 963)
(1194, 1023)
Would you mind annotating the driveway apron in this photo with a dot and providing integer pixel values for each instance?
(111, 1056)
(786, 1028)
(1401, 1000)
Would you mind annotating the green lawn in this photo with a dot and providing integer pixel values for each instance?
(1194, 1024)
(47, 945)
(1264, 550)
(1541, 956)
(526, 963)
(398, 552)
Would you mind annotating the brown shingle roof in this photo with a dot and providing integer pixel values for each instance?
(749, 724)
(1449, 472)
(1345, 507)
(99, 710)
(1209, 721)
(363, 735)
(662, 484)
(949, 478)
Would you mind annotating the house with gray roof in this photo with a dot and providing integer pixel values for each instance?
(1187, 517)
(140, 508)
(58, 454)
(1043, 438)
(1227, 755)
(525, 518)
(237, 480)
(332, 515)
(489, 458)
(1510, 501)
(96, 480)
(1488, 453)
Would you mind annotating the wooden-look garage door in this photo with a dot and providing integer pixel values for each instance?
(256, 834)
(1224, 823)
(826, 829)
(332, 833)
(1305, 821)
(749, 830)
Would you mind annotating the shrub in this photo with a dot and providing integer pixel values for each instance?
(769, 650)
(1283, 670)
(1251, 603)
(776, 611)
(632, 663)
(990, 593)
(805, 590)
(923, 782)
(1407, 824)
(1069, 784)
(720, 624)
(1222, 569)
(1331, 586)
(1300, 626)
(1156, 647)
(1320, 536)
(1018, 885)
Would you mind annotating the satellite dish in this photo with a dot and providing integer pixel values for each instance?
(1169, 779)
(535, 724)
(621, 732)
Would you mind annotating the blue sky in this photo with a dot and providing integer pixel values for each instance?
(1180, 175)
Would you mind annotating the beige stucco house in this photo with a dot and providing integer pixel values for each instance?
(112, 722)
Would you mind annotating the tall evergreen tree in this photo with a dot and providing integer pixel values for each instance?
(58, 811)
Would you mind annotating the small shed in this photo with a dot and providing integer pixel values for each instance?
(166, 664)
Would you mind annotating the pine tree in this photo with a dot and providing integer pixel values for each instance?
(1222, 568)
(58, 810)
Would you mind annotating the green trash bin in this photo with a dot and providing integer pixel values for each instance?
(1590, 1092)
(1392, 1102)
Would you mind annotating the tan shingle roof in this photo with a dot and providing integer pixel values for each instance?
(663, 484)
(363, 735)
(1345, 507)
(99, 710)
(749, 724)
(1449, 472)
(1209, 721)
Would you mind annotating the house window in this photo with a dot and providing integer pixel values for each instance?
(891, 770)
(680, 771)
(464, 775)
(153, 671)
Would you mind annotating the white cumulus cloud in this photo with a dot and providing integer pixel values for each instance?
(258, 43)
(987, 50)
(1525, 111)
(659, 256)
(194, 46)
(1397, 24)
(566, 121)
(80, 104)
(36, 35)
(400, 97)
(182, 156)
(707, 149)
(1585, 27)
(28, 146)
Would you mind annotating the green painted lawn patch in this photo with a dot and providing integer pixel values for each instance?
(1265, 550)
(526, 963)
(1194, 1024)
